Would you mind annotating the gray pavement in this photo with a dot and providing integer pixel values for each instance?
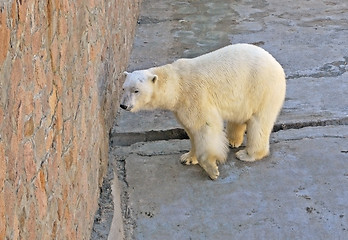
(301, 190)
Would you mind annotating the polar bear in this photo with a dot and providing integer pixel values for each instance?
(241, 84)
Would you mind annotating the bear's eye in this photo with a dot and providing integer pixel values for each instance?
(136, 91)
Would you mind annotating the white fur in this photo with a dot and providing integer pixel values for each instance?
(240, 83)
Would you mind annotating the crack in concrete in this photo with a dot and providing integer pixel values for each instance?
(333, 69)
(313, 123)
(150, 20)
(105, 212)
(303, 138)
(128, 218)
(127, 139)
(141, 154)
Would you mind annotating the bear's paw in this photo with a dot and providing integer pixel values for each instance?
(211, 168)
(188, 159)
(244, 156)
(236, 143)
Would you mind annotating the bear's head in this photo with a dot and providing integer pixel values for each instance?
(137, 90)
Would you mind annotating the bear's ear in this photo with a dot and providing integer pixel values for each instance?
(125, 73)
(154, 78)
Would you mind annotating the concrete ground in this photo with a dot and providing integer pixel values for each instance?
(301, 190)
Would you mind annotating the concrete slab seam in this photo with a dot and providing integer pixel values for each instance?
(129, 138)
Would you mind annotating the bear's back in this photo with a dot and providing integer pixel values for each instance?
(238, 63)
(232, 77)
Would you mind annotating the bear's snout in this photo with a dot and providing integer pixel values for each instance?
(123, 106)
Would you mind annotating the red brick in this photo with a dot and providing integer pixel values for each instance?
(68, 160)
(20, 197)
(22, 11)
(10, 204)
(16, 228)
(20, 113)
(32, 221)
(45, 109)
(39, 75)
(75, 150)
(2, 116)
(11, 167)
(59, 145)
(53, 115)
(5, 36)
(62, 26)
(29, 127)
(22, 222)
(67, 131)
(49, 140)
(29, 71)
(40, 147)
(16, 76)
(2, 216)
(60, 209)
(64, 6)
(40, 193)
(91, 4)
(29, 161)
(36, 42)
(53, 176)
(28, 103)
(67, 218)
(59, 117)
(54, 54)
(37, 114)
(2, 166)
(64, 48)
(14, 14)
(94, 51)
(54, 231)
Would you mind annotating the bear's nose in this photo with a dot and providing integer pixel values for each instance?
(123, 106)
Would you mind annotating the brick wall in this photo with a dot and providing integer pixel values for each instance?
(60, 65)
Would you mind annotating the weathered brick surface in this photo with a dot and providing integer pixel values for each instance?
(60, 65)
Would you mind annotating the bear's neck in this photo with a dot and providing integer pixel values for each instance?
(167, 88)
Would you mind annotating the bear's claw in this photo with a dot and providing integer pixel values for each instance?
(235, 144)
(188, 159)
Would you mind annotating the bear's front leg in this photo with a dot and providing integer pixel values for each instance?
(189, 158)
(211, 147)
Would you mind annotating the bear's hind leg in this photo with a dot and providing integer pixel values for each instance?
(258, 133)
(235, 133)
